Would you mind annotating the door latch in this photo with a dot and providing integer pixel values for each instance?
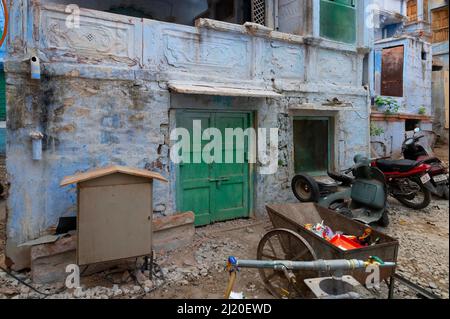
(219, 180)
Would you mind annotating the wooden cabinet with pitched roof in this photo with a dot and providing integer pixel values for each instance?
(114, 213)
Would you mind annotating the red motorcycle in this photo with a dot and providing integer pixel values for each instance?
(408, 181)
(413, 150)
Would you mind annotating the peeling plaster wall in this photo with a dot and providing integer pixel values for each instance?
(107, 102)
(87, 123)
(393, 136)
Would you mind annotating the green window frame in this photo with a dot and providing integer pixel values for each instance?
(338, 20)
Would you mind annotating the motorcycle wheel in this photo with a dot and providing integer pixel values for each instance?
(412, 201)
(446, 196)
(305, 189)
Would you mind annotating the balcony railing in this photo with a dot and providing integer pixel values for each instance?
(111, 45)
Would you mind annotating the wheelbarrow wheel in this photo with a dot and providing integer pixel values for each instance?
(284, 244)
(305, 188)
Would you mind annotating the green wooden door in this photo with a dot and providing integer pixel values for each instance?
(313, 140)
(215, 191)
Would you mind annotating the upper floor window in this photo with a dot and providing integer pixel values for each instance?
(338, 20)
(439, 24)
(416, 13)
(411, 10)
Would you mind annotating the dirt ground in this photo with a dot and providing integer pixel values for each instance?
(197, 271)
(423, 255)
(216, 242)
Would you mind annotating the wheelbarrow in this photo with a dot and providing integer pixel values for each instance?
(290, 240)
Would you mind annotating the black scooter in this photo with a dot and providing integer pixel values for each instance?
(412, 150)
(362, 197)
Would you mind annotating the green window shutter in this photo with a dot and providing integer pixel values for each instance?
(2, 96)
(338, 20)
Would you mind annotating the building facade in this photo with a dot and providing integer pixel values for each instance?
(113, 88)
(401, 75)
(411, 68)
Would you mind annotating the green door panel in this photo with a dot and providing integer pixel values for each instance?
(231, 194)
(216, 191)
(338, 20)
(194, 184)
(313, 139)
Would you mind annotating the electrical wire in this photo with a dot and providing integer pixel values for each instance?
(28, 285)
(156, 272)
(5, 25)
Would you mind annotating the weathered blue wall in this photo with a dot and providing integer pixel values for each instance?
(416, 73)
(108, 102)
(416, 90)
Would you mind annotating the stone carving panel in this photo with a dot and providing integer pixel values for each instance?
(209, 52)
(96, 39)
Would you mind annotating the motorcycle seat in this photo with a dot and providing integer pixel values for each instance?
(396, 165)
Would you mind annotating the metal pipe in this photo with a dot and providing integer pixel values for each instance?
(350, 295)
(35, 66)
(318, 265)
(36, 140)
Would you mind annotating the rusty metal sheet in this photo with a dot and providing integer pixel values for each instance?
(392, 71)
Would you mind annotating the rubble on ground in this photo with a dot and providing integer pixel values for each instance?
(424, 247)
(423, 259)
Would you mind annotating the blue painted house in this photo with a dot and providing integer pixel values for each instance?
(118, 76)
(401, 72)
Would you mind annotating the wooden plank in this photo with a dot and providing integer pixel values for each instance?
(439, 24)
(411, 9)
(93, 174)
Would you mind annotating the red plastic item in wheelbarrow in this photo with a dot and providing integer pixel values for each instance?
(344, 243)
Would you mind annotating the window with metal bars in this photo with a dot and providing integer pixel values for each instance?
(259, 11)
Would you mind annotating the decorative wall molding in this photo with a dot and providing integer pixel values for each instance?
(98, 40)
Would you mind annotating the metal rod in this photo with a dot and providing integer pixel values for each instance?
(318, 265)
(423, 292)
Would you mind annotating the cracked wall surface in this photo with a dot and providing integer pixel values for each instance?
(98, 104)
